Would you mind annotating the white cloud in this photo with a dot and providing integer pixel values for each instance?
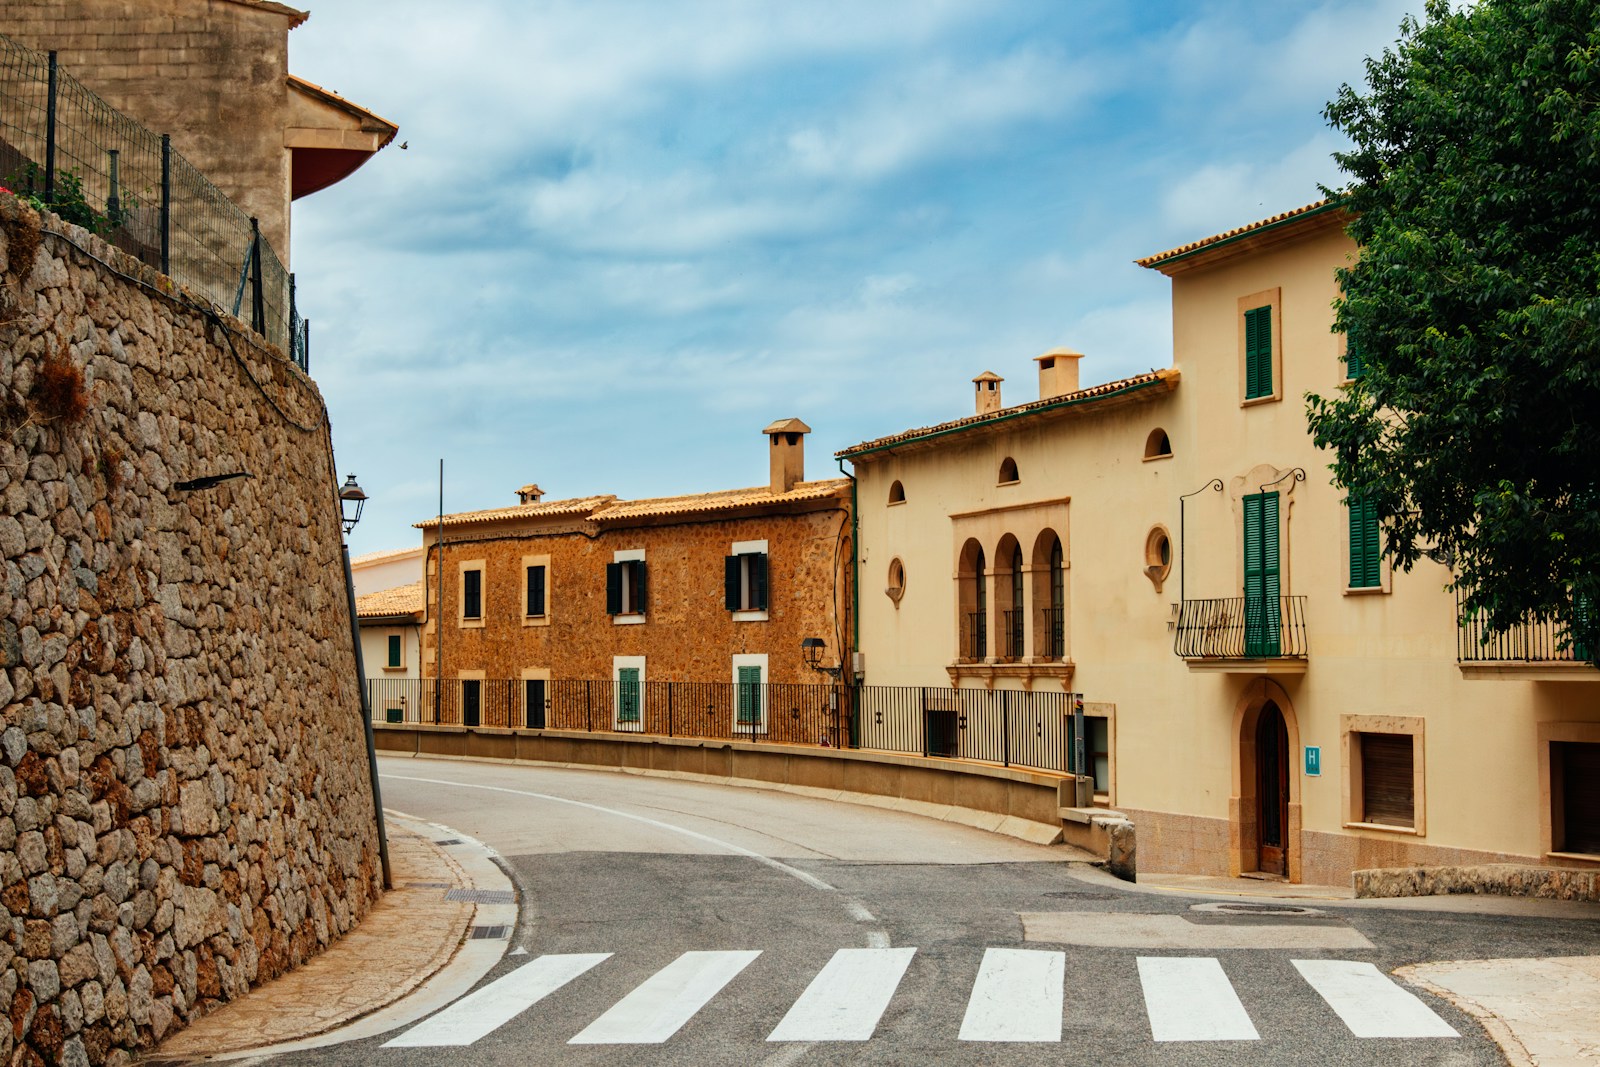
(1232, 192)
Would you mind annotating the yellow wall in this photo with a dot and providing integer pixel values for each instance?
(1179, 764)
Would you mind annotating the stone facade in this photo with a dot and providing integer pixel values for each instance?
(184, 803)
(687, 633)
(214, 75)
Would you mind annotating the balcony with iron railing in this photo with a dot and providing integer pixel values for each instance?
(975, 637)
(1538, 649)
(1011, 633)
(1249, 635)
(1052, 634)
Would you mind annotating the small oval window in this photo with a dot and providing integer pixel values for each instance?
(1157, 556)
(1008, 471)
(1158, 445)
(897, 580)
(897, 493)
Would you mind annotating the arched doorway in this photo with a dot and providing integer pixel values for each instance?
(1272, 791)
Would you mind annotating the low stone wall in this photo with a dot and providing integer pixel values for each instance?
(1021, 803)
(1490, 879)
(184, 803)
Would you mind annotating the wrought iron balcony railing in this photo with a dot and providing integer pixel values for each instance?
(1242, 628)
(975, 637)
(1011, 648)
(1052, 635)
(1534, 641)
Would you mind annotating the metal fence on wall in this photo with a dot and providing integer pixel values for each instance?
(1009, 727)
(97, 168)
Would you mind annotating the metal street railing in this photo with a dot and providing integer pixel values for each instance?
(69, 152)
(1009, 727)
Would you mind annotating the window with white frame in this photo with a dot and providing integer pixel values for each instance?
(744, 586)
(749, 694)
(628, 692)
(625, 586)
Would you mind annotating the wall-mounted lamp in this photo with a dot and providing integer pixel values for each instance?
(351, 501)
(811, 650)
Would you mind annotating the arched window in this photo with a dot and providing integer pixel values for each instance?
(972, 596)
(1049, 597)
(1158, 445)
(1008, 471)
(897, 493)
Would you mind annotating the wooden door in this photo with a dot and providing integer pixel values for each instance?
(1272, 792)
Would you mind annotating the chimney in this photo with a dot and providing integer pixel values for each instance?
(788, 437)
(988, 390)
(1058, 372)
(529, 494)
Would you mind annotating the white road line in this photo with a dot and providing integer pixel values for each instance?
(497, 1003)
(660, 1005)
(777, 865)
(1191, 999)
(1370, 1002)
(847, 997)
(1018, 996)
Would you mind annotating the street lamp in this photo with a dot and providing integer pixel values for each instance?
(351, 501)
(811, 649)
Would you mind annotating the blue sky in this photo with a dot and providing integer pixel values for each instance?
(628, 235)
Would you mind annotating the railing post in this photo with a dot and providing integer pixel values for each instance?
(1005, 727)
(50, 134)
(588, 708)
(166, 204)
(258, 309)
(670, 687)
(113, 201)
(305, 347)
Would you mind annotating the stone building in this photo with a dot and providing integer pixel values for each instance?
(711, 587)
(215, 75)
(1265, 695)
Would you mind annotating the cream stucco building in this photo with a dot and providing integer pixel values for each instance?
(1265, 696)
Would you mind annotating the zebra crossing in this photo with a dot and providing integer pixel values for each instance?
(1016, 996)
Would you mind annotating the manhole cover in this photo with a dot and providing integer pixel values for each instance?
(1234, 907)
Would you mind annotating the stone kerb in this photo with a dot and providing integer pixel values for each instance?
(184, 806)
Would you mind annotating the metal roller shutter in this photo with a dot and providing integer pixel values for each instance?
(1387, 781)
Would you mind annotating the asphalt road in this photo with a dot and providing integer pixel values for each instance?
(762, 890)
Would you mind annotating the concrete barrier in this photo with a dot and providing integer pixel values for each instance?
(1009, 800)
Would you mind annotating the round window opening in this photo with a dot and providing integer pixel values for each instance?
(1158, 556)
(897, 581)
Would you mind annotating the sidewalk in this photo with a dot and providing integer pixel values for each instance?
(416, 931)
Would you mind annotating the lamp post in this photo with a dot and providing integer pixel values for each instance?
(351, 502)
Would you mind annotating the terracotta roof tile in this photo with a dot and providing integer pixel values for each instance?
(582, 505)
(721, 501)
(1168, 377)
(1238, 231)
(401, 600)
(384, 555)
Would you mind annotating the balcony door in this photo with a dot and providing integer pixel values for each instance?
(1263, 604)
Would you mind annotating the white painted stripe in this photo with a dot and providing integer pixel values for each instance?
(778, 865)
(1191, 999)
(1018, 996)
(662, 1003)
(1370, 1002)
(847, 997)
(497, 1003)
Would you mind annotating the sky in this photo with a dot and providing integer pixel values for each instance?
(626, 235)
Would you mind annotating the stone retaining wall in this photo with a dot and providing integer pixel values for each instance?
(1493, 879)
(184, 803)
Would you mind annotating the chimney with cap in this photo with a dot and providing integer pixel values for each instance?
(988, 391)
(788, 453)
(1058, 372)
(529, 494)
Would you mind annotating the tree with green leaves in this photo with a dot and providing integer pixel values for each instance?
(1472, 424)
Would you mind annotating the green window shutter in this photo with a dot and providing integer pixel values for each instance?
(1262, 588)
(613, 589)
(758, 581)
(628, 694)
(536, 591)
(749, 696)
(1365, 571)
(732, 596)
(638, 586)
(1352, 356)
(1258, 352)
(394, 650)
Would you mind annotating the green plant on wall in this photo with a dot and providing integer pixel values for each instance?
(67, 201)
